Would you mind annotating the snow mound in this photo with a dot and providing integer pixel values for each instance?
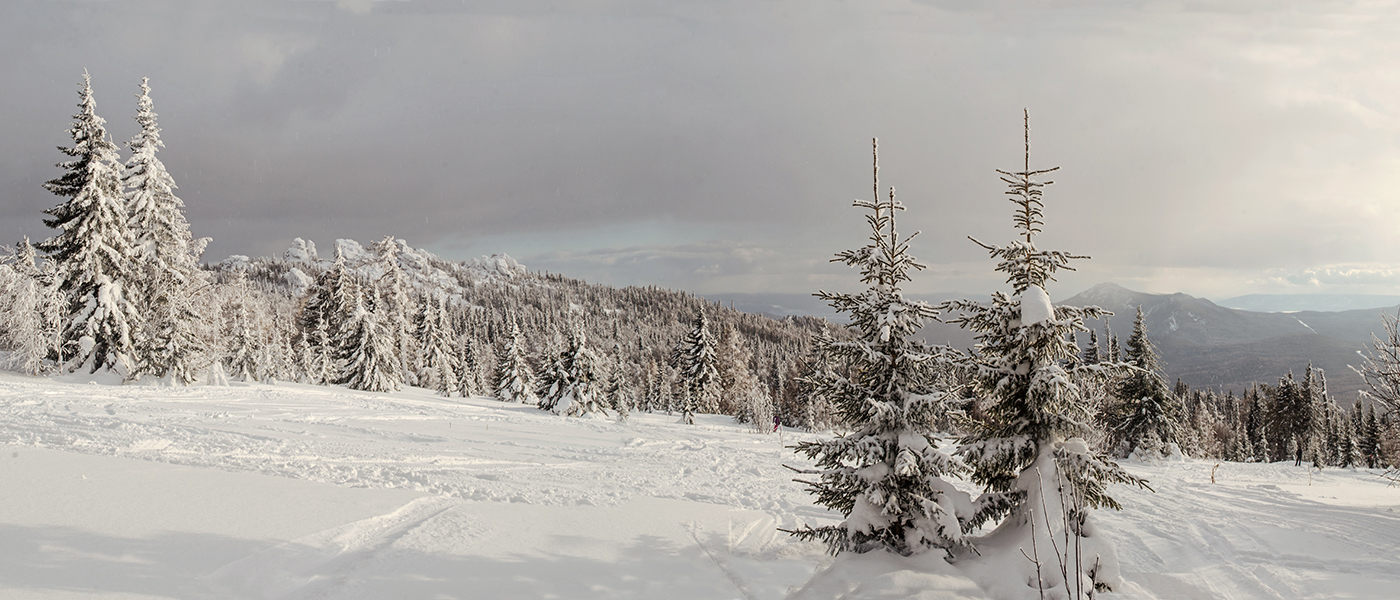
(885, 576)
(1035, 306)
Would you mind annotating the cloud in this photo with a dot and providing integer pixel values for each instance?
(1198, 144)
(1365, 276)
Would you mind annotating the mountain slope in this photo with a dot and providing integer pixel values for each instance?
(1207, 345)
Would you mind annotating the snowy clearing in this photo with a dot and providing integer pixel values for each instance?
(293, 491)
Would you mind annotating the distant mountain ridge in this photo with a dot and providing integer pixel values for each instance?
(1312, 302)
(1208, 345)
(1211, 346)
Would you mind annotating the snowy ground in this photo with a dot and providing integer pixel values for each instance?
(291, 491)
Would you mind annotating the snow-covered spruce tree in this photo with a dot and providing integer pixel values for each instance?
(515, 378)
(93, 248)
(655, 388)
(167, 258)
(886, 474)
(368, 355)
(616, 393)
(439, 356)
(1294, 418)
(244, 343)
(171, 346)
(1091, 352)
(1145, 407)
(1381, 367)
(30, 326)
(1028, 450)
(739, 388)
(571, 385)
(695, 358)
(471, 360)
(397, 306)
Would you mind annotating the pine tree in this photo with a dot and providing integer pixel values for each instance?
(886, 475)
(616, 393)
(367, 351)
(1145, 406)
(1113, 353)
(1295, 417)
(1030, 443)
(1371, 439)
(93, 247)
(471, 364)
(739, 388)
(571, 385)
(654, 382)
(440, 363)
(515, 379)
(699, 368)
(1348, 449)
(33, 302)
(1091, 352)
(244, 345)
(397, 306)
(167, 258)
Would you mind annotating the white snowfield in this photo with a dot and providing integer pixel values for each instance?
(295, 491)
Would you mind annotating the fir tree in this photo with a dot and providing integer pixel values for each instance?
(1371, 438)
(571, 386)
(699, 368)
(658, 390)
(515, 379)
(1145, 406)
(244, 345)
(1030, 443)
(440, 363)
(93, 247)
(472, 364)
(1091, 352)
(367, 351)
(886, 475)
(396, 307)
(739, 388)
(616, 393)
(1295, 417)
(167, 258)
(30, 323)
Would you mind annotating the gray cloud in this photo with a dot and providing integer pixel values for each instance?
(1201, 144)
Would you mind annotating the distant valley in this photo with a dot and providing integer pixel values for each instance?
(1210, 346)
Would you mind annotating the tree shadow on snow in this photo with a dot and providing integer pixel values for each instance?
(196, 566)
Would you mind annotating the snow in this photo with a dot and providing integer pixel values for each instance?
(294, 491)
(1035, 306)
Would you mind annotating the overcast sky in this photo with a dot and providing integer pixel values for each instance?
(1214, 148)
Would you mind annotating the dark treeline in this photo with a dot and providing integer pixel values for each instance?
(1293, 420)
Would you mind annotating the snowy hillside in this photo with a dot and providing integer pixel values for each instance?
(296, 491)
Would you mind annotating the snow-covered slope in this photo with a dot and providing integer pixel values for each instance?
(291, 491)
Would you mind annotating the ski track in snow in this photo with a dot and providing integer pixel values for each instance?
(474, 449)
(1256, 534)
(487, 468)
